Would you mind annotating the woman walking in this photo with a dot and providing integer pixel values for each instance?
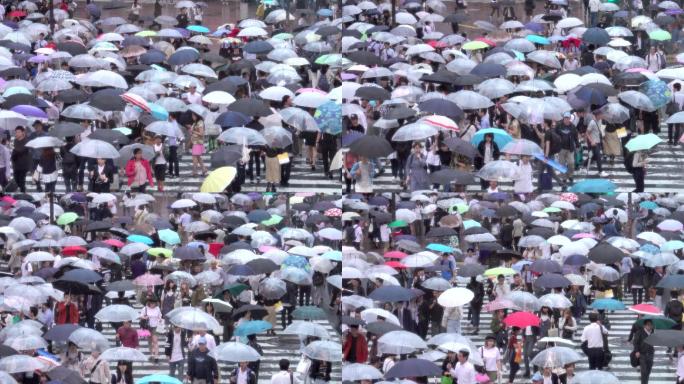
(159, 161)
(46, 171)
(197, 141)
(139, 172)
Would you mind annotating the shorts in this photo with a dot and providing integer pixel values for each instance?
(160, 172)
(309, 138)
(198, 149)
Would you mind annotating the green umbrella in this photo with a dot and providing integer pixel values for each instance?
(234, 289)
(273, 220)
(643, 142)
(397, 224)
(283, 36)
(659, 322)
(660, 35)
(160, 252)
(551, 209)
(67, 218)
(460, 208)
(470, 224)
(329, 59)
(309, 312)
(169, 237)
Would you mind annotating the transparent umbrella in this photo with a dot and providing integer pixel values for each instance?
(307, 328)
(470, 100)
(359, 372)
(89, 339)
(415, 131)
(556, 357)
(498, 170)
(95, 149)
(26, 343)
(323, 350)
(524, 301)
(242, 136)
(595, 377)
(400, 342)
(237, 352)
(123, 354)
(195, 320)
(21, 363)
(117, 313)
(554, 300)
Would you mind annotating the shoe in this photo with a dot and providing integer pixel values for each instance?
(603, 174)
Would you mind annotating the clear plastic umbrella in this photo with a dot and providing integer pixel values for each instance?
(554, 300)
(242, 136)
(237, 352)
(415, 131)
(495, 88)
(323, 350)
(637, 100)
(123, 354)
(499, 170)
(272, 288)
(524, 301)
(195, 320)
(116, 313)
(470, 100)
(360, 372)
(89, 339)
(400, 342)
(556, 357)
(26, 342)
(307, 328)
(95, 149)
(595, 377)
(21, 363)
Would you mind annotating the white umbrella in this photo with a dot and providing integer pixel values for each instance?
(95, 149)
(400, 342)
(45, 142)
(455, 297)
(218, 97)
(554, 300)
(358, 372)
(235, 352)
(252, 32)
(10, 120)
(103, 78)
(276, 93)
(202, 70)
(371, 314)
(123, 354)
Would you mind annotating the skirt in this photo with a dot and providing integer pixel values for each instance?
(272, 170)
(198, 149)
(160, 172)
(611, 144)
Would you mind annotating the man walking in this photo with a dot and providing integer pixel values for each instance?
(644, 351)
(592, 342)
(202, 368)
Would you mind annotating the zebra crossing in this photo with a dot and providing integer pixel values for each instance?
(302, 179)
(274, 347)
(664, 173)
(664, 368)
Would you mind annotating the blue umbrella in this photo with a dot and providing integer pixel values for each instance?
(158, 112)
(538, 39)
(325, 12)
(650, 248)
(252, 327)
(296, 262)
(328, 116)
(183, 56)
(439, 248)
(158, 378)
(198, 29)
(333, 255)
(594, 186)
(231, 119)
(501, 137)
(650, 205)
(607, 304)
(658, 91)
(139, 239)
(169, 237)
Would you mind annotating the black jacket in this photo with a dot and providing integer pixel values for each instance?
(21, 155)
(479, 160)
(202, 366)
(251, 377)
(169, 343)
(108, 171)
(646, 350)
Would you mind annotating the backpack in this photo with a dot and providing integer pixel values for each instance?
(675, 309)
(556, 140)
(318, 279)
(672, 108)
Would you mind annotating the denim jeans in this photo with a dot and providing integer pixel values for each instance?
(176, 369)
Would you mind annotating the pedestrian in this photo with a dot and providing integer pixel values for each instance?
(592, 342)
(273, 171)
(123, 374)
(96, 369)
(175, 351)
(21, 157)
(515, 353)
(46, 170)
(243, 374)
(492, 358)
(197, 141)
(476, 304)
(416, 169)
(101, 176)
(5, 163)
(285, 376)
(569, 142)
(139, 172)
(127, 336)
(254, 365)
(202, 367)
(152, 317)
(355, 347)
(66, 311)
(464, 371)
(159, 162)
(644, 351)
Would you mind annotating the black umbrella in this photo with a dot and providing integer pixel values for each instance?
(152, 56)
(108, 100)
(391, 293)
(111, 136)
(371, 147)
(475, 231)
(257, 311)
(82, 276)
(348, 320)
(263, 266)
(595, 35)
(364, 57)
(121, 286)
(73, 47)
(258, 215)
(461, 147)
(468, 79)
(372, 93)
(317, 218)
(72, 96)
(183, 56)
(328, 30)
(440, 77)
(241, 270)
(381, 217)
(488, 70)
(449, 175)
(471, 270)
(60, 332)
(441, 107)
(188, 253)
(552, 280)
(65, 375)
(441, 232)
(540, 231)
(546, 266)
(235, 246)
(666, 338)
(605, 253)
(578, 260)
(455, 18)
(95, 226)
(379, 328)
(413, 368)
(400, 112)
(19, 99)
(66, 129)
(258, 47)
(74, 287)
(251, 107)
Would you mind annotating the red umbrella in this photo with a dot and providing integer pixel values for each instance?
(136, 100)
(645, 309)
(17, 13)
(521, 320)
(437, 44)
(73, 250)
(395, 255)
(487, 41)
(395, 264)
(114, 243)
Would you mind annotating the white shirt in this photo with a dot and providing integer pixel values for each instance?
(490, 356)
(193, 98)
(358, 233)
(211, 343)
(242, 376)
(680, 366)
(464, 373)
(593, 335)
(26, 269)
(679, 99)
(176, 350)
(283, 377)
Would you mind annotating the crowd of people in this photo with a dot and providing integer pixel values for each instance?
(195, 290)
(420, 269)
(542, 100)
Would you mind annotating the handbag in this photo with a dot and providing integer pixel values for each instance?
(283, 158)
(633, 359)
(607, 354)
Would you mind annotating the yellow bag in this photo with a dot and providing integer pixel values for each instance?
(261, 9)
(621, 132)
(278, 306)
(608, 294)
(283, 158)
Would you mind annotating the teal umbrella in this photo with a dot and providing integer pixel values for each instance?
(252, 327)
(333, 255)
(328, 116)
(439, 248)
(198, 29)
(158, 378)
(158, 112)
(659, 322)
(501, 137)
(643, 142)
(607, 304)
(309, 312)
(169, 237)
(140, 239)
(593, 186)
(538, 39)
(650, 205)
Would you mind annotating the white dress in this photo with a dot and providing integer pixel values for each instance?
(523, 184)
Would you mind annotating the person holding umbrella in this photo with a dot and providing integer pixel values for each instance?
(197, 141)
(202, 367)
(46, 170)
(638, 168)
(644, 351)
(21, 157)
(139, 172)
(101, 176)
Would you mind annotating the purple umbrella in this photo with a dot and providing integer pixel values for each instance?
(30, 111)
(183, 32)
(38, 59)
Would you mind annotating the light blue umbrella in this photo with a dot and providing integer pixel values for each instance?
(158, 112)
(328, 116)
(140, 239)
(169, 237)
(252, 327)
(325, 12)
(650, 205)
(158, 378)
(608, 304)
(501, 137)
(333, 255)
(471, 223)
(296, 262)
(643, 142)
(439, 248)
(593, 186)
(658, 91)
(538, 39)
(650, 248)
(672, 245)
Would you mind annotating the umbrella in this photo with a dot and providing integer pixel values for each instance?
(158, 378)
(605, 253)
(123, 354)
(323, 350)
(643, 142)
(117, 313)
(521, 320)
(400, 342)
(659, 322)
(391, 293)
(61, 332)
(666, 338)
(95, 149)
(21, 363)
(235, 352)
(556, 357)
(413, 368)
(371, 147)
(358, 372)
(218, 180)
(88, 339)
(252, 327)
(455, 297)
(607, 304)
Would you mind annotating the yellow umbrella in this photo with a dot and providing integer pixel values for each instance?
(218, 180)
(146, 33)
(475, 44)
(296, 199)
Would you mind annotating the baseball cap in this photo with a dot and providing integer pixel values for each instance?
(202, 340)
(567, 114)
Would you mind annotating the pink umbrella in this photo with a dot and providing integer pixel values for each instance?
(645, 309)
(584, 235)
(499, 304)
(148, 280)
(136, 100)
(569, 197)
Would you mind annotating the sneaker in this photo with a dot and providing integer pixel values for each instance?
(603, 174)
